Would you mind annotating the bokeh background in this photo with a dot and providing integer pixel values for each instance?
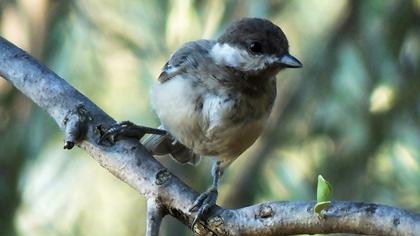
(351, 114)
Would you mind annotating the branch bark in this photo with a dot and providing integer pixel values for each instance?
(155, 215)
(129, 161)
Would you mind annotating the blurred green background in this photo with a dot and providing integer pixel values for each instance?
(351, 114)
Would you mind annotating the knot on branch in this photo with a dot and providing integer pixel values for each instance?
(265, 211)
(162, 177)
(75, 126)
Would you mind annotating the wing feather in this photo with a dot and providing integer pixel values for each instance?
(186, 58)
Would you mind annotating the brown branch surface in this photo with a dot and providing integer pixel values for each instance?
(128, 160)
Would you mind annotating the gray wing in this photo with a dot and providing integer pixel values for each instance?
(187, 58)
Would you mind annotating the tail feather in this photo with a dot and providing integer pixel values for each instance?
(161, 145)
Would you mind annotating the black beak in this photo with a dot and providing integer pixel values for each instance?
(290, 61)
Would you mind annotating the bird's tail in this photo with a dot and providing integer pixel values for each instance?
(162, 145)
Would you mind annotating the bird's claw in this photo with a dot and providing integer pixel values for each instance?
(126, 129)
(203, 203)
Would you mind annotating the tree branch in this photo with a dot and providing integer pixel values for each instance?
(128, 160)
(155, 215)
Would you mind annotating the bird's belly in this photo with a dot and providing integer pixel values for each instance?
(207, 124)
(230, 141)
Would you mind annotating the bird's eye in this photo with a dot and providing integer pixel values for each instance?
(255, 47)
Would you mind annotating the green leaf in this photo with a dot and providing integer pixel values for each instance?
(321, 206)
(323, 195)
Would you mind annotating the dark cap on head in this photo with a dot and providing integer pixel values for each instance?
(256, 35)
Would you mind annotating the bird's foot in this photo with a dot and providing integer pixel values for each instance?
(203, 203)
(125, 129)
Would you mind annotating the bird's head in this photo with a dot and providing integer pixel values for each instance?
(254, 45)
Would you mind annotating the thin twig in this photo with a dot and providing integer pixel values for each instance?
(155, 215)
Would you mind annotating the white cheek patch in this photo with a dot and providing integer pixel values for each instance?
(224, 54)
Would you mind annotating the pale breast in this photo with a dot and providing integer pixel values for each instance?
(217, 124)
(175, 103)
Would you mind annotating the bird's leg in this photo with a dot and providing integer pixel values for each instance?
(126, 129)
(207, 199)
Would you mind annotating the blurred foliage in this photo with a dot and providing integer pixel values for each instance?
(351, 114)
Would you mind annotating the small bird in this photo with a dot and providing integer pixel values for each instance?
(213, 98)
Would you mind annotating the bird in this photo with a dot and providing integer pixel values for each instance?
(213, 98)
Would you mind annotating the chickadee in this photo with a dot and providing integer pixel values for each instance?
(214, 96)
